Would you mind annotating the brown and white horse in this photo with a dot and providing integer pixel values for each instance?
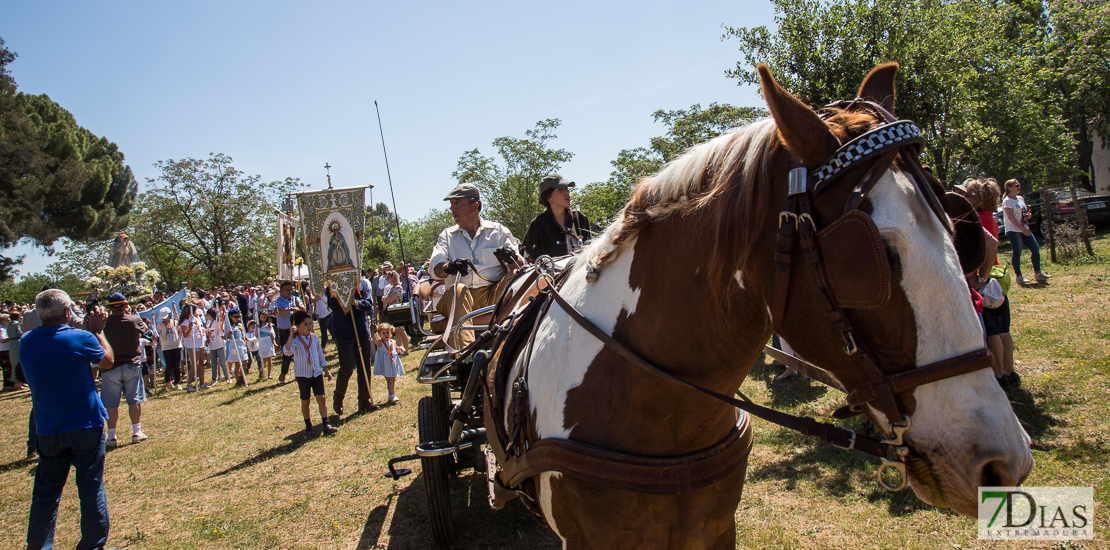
(685, 278)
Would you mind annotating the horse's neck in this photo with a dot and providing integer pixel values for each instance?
(666, 313)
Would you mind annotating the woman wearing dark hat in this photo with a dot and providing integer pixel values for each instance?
(558, 231)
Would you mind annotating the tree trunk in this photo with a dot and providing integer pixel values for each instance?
(1081, 218)
(1048, 199)
(1084, 149)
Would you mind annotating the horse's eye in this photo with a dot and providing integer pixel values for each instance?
(892, 256)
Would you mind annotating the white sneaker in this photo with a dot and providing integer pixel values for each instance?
(111, 443)
(138, 438)
(394, 399)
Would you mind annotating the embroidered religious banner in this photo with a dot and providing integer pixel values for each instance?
(286, 245)
(332, 224)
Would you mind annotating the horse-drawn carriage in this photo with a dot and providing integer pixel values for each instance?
(584, 398)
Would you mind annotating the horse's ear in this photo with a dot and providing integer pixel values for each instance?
(879, 85)
(805, 134)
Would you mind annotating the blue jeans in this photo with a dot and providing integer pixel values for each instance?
(84, 450)
(1017, 239)
(283, 335)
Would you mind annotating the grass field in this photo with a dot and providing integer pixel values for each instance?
(229, 468)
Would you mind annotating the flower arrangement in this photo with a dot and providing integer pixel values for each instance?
(131, 281)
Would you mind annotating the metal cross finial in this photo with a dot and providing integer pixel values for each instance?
(328, 168)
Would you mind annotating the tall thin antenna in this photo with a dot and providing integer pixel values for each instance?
(397, 216)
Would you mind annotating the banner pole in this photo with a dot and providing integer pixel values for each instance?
(396, 215)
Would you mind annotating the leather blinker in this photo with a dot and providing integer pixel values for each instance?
(968, 232)
(855, 260)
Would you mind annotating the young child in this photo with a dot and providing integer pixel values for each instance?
(265, 344)
(309, 367)
(196, 352)
(251, 340)
(217, 355)
(387, 362)
(236, 346)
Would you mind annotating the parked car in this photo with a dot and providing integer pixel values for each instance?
(1098, 206)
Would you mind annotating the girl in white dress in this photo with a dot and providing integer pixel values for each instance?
(265, 343)
(236, 346)
(250, 337)
(387, 361)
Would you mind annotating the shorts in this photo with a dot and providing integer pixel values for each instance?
(146, 368)
(997, 320)
(316, 384)
(125, 379)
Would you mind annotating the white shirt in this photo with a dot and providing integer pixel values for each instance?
(455, 243)
(195, 339)
(322, 310)
(251, 338)
(1017, 206)
(308, 356)
(168, 335)
(216, 331)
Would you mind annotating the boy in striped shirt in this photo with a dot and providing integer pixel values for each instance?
(309, 367)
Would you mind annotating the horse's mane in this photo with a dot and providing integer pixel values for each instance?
(728, 177)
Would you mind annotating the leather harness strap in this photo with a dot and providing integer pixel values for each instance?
(659, 475)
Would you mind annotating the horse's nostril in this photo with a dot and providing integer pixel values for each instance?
(994, 474)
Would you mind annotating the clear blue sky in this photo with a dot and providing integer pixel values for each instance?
(283, 87)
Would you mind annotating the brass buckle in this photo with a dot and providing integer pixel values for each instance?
(788, 215)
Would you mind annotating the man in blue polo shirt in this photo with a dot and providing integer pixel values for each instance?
(284, 306)
(69, 417)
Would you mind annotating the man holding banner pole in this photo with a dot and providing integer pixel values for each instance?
(353, 344)
(332, 225)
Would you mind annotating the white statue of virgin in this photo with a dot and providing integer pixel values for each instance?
(123, 251)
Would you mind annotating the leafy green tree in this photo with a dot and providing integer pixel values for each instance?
(601, 201)
(57, 179)
(25, 290)
(1076, 35)
(213, 216)
(971, 89)
(421, 234)
(509, 181)
(381, 242)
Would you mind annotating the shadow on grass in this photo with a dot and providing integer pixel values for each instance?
(296, 440)
(476, 524)
(1029, 406)
(375, 521)
(249, 393)
(841, 474)
(789, 392)
(17, 464)
(15, 395)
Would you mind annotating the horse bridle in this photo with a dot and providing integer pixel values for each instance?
(861, 278)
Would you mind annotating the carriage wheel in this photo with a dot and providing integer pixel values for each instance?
(441, 399)
(432, 427)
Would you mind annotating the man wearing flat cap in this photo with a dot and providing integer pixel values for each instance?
(558, 230)
(464, 258)
(122, 330)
